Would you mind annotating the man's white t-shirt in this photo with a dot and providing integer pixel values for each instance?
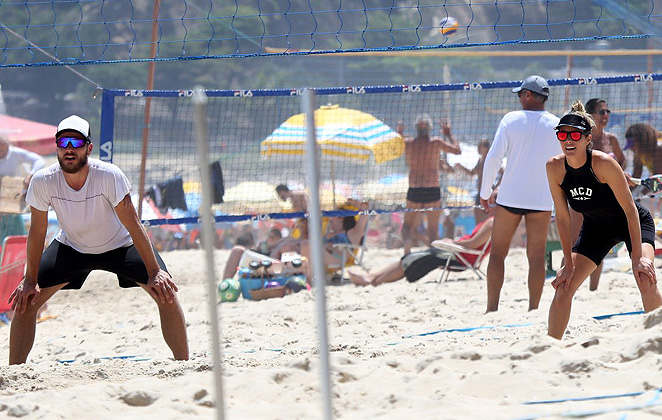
(527, 139)
(87, 217)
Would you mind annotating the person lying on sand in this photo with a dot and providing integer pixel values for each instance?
(415, 265)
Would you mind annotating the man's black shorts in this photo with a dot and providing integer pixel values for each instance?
(419, 263)
(518, 211)
(424, 195)
(63, 264)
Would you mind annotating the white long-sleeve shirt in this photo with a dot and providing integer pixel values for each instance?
(527, 139)
(11, 164)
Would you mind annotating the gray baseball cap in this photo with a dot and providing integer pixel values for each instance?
(535, 84)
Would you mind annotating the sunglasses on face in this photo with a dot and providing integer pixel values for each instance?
(604, 111)
(63, 142)
(574, 135)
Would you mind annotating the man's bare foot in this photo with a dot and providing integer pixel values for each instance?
(359, 279)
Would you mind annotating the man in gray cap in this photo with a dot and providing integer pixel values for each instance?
(526, 138)
(100, 230)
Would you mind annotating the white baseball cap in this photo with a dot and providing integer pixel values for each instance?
(74, 123)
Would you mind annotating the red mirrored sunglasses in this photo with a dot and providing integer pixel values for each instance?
(574, 135)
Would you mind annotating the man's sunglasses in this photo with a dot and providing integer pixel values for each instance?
(63, 142)
(574, 135)
(604, 111)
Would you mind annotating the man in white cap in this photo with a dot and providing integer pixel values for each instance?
(526, 138)
(100, 230)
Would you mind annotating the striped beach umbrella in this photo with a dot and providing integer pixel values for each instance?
(341, 132)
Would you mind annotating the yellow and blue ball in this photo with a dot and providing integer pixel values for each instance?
(448, 26)
(229, 290)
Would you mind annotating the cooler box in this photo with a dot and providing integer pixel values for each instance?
(247, 283)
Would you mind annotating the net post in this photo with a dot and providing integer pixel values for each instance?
(107, 126)
(202, 145)
(316, 257)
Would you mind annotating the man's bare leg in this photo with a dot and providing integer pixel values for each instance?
(411, 222)
(360, 279)
(537, 225)
(505, 225)
(433, 221)
(390, 273)
(233, 261)
(173, 327)
(23, 326)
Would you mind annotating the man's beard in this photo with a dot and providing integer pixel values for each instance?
(422, 132)
(72, 169)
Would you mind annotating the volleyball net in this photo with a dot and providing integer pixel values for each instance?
(257, 140)
(40, 33)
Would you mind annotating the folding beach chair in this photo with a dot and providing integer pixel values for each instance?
(457, 258)
(13, 258)
(351, 255)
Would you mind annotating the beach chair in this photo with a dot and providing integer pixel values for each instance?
(457, 258)
(351, 255)
(13, 258)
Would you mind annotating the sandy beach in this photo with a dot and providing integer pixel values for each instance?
(398, 351)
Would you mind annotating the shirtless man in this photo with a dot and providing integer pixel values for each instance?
(423, 159)
(298, 198)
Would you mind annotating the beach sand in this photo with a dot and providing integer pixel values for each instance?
(393, 352)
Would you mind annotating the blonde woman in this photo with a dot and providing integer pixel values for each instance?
(594, 184)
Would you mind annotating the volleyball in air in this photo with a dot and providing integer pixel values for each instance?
(229, 290)
(448, 26)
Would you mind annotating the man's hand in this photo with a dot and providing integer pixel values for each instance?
(400, 127)
(445, 127)
(26, 181)
(485, 204)
(26, 292)
(490, 202)
(161, 287)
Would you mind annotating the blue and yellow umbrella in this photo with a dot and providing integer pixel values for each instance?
(341, 132)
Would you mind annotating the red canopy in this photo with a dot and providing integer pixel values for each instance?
(30, 135)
